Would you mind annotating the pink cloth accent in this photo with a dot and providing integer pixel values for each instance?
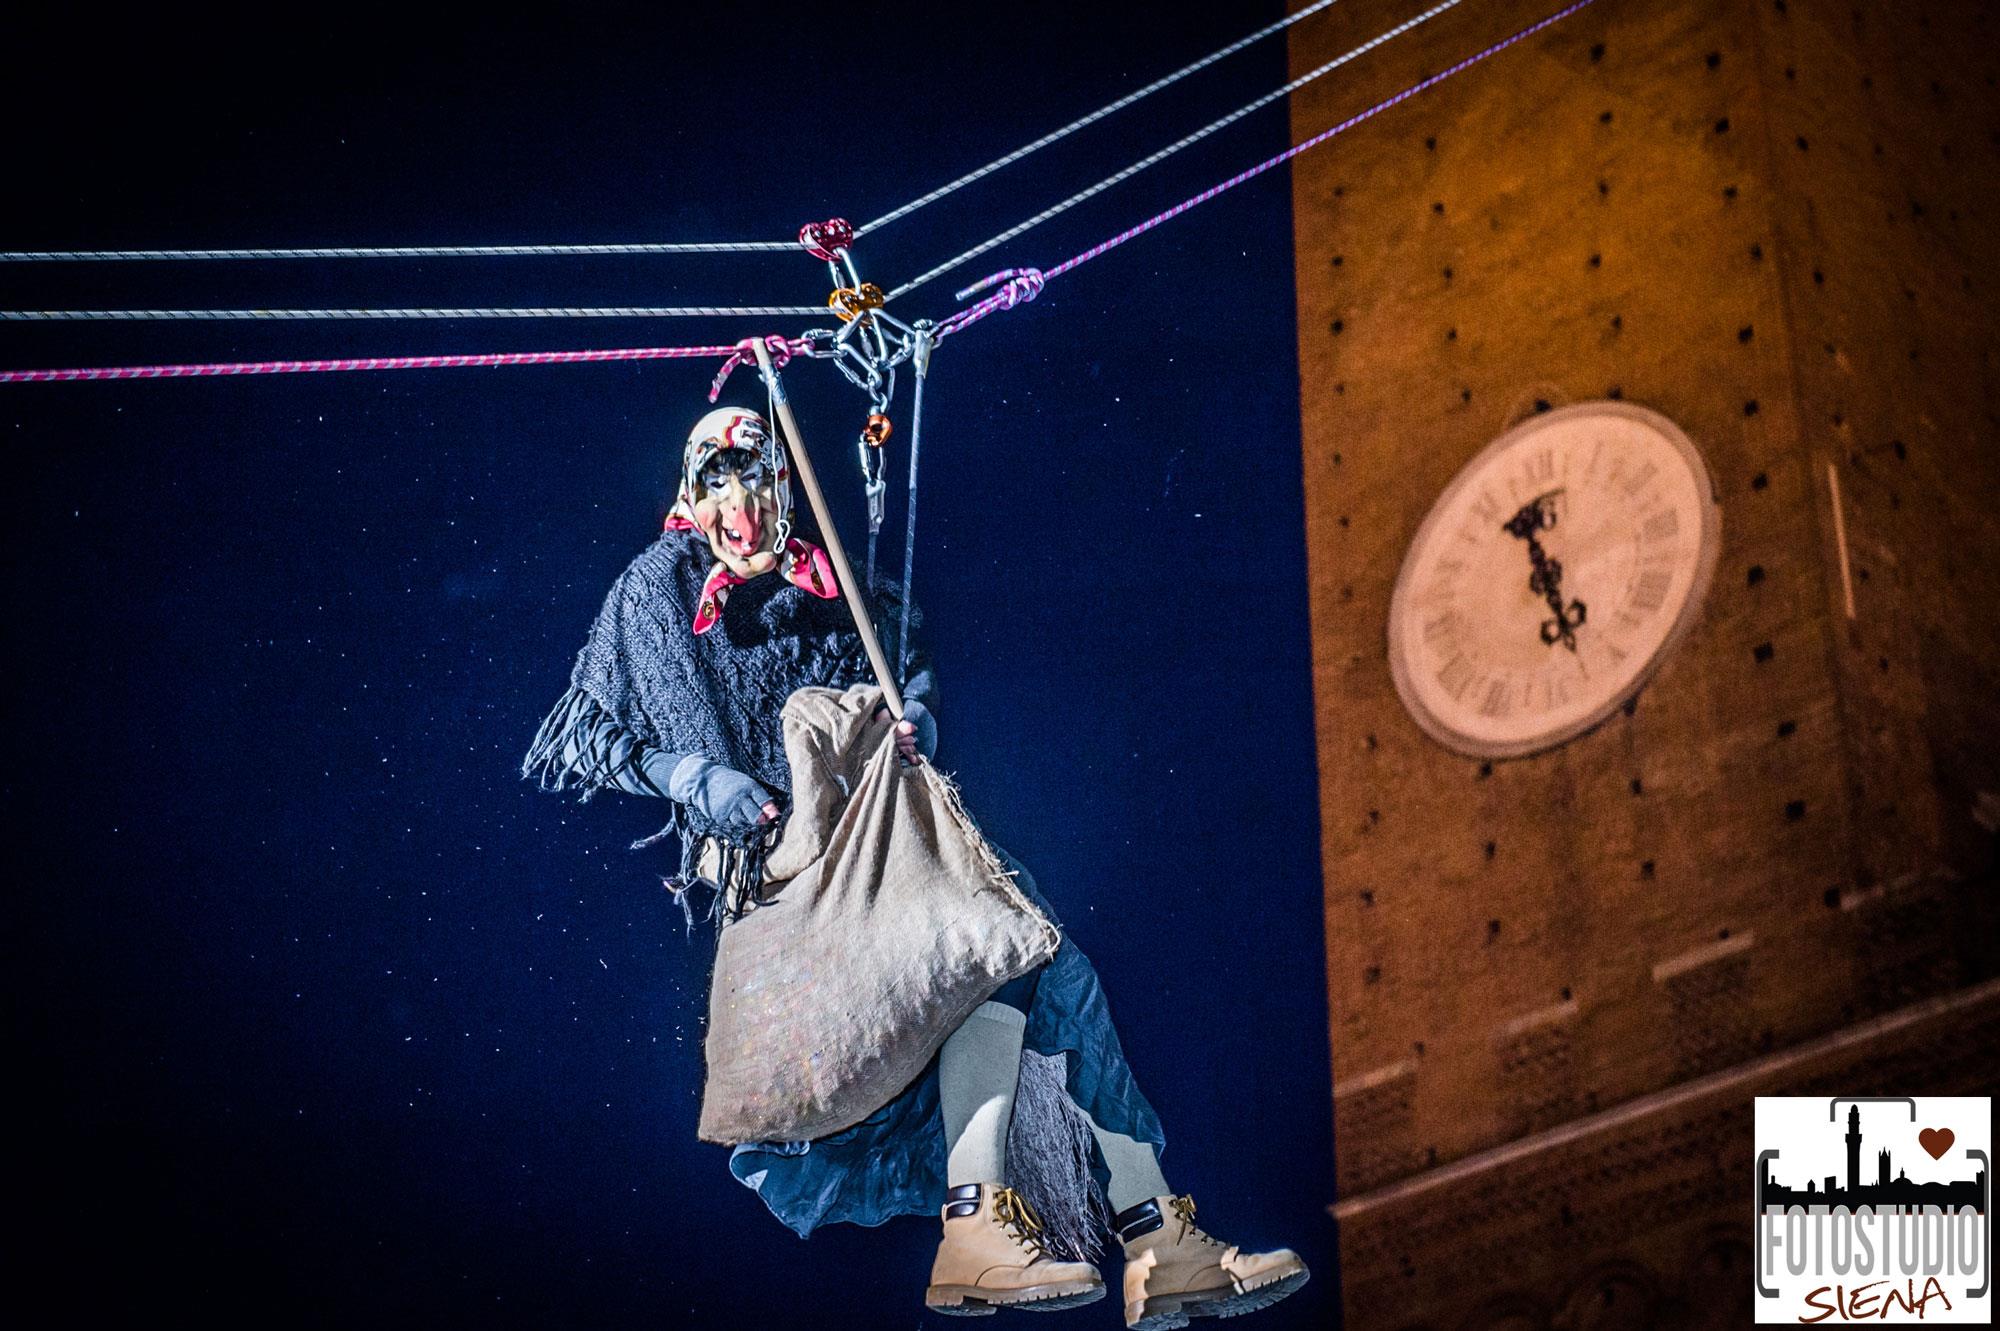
(810, 570)
(805, 566)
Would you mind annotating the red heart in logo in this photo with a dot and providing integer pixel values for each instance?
(1936, 1140)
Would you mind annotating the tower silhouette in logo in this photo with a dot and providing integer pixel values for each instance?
(1853, 1148)
(1883, 1194)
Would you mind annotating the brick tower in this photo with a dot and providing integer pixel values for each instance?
(1557, 981)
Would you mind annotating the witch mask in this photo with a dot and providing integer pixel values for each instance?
(735, 489)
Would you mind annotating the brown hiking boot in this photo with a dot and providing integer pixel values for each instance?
(1174, 1271)
(992, 1257)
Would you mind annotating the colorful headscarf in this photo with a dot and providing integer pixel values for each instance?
(802, 563)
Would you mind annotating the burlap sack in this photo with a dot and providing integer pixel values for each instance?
(885, 920)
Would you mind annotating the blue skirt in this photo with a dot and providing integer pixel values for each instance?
(893, 1162)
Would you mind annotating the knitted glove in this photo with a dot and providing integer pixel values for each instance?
(926, 726)
(722, 794)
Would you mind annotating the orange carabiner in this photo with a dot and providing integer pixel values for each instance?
(877, 431)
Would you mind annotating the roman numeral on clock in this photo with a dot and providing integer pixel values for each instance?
(1637, 482)
(1457, 673)
(1650, 592)
(1537, 470)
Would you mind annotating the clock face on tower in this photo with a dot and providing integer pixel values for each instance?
(1551, 578)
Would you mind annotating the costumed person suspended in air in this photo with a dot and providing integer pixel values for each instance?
(898, 1024)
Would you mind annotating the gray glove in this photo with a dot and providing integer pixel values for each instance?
(926, 726)
(721, 794)
(925, 734)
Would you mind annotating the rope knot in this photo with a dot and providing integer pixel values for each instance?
(745, 354)
(1022, 286)
(823, 239)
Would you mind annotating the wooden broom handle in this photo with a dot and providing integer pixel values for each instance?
(841, 570)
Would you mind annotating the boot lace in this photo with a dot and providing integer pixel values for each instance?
(1184, 1212)
(1011, 1209)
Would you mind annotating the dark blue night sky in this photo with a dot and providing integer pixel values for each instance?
(327, 1016)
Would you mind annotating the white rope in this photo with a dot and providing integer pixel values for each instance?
(551, 312)
(1091, 119)
(1172, 148)
(398, 252)
(689, 247)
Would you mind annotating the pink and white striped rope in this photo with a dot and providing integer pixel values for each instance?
(1017, 291)
(1018, 286)
(745, 353)
(792, 346)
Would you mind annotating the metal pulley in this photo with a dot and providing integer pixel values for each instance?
(852, 302)
(825, 240)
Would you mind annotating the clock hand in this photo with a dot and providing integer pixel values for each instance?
(1539, 514)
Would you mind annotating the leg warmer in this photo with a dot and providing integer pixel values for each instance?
(978, 1070)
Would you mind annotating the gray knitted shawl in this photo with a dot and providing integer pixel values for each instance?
(719, 694)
